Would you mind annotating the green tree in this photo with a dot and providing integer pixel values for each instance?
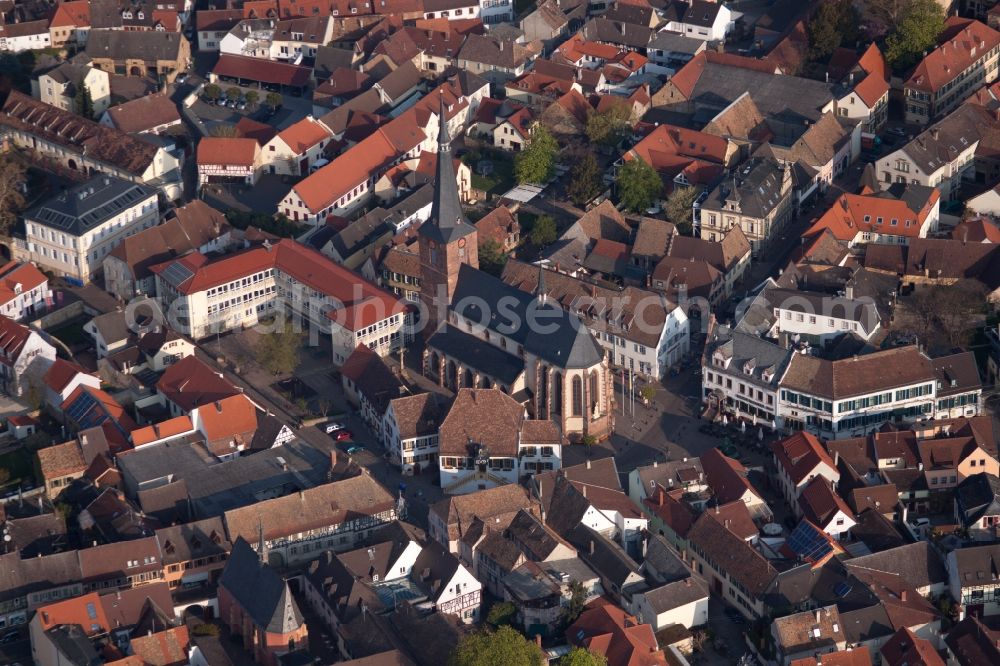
(579, 656)
(639, 186)
(491, 257)
(273, 100)
(679, 207)
(503, 647)
(13, 179)
(278, 352)
(502, 613)
(15, 72)
(543, 231)
(233, 93)
(253, 97)
(537, 162)
(609, 127)
(84, 102)
(224, 130)
(585, 180)
(212, 92)
(877, 17)
(917, 31)
(577, 592)
(835, 23)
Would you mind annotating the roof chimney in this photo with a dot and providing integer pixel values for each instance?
(902, 596)
(591, 546)
(585, 491)
(588, 464)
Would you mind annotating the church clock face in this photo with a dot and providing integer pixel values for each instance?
(461, 242)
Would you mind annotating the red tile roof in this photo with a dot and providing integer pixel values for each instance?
(671, 150)
(726, 476)
(362, 303)
(961, 44)
(85, 611)
(236, 151)
(303, 135)
(687, 76)
(265, 71)
(12, 338)
(609, 631)
(13, 274)
(853, 214)
(800, 454)
(378, 151)
(876, 82)
(820, 503)
(190, 383)
(163, 430)
(71, 14)
(61, 373)
(251, 129)
(227, 419)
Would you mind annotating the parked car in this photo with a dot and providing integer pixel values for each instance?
(333, 427)
(898, 131)
(10, 637)
(181, 78)
(351, 450)
(343, 434)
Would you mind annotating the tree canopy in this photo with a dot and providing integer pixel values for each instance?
(835, 23)
(503, 647)
(13, 177)
(278, 352)
(537, 162)
(491, 259)
(579, 656)
(917, 31)
(610, 126)
(212, 91)
(585, 180)
(680, 206)
(639, 186)
(543, 231)
(84, 102)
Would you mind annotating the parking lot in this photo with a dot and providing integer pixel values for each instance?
(292, 109)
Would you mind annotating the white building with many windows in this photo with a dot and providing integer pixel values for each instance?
(203, 296)
(410, 430)
(71, 233)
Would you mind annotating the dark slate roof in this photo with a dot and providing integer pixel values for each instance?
(260, 591)
(562, 339)
(661, 564)
(80, 209)
(757, 188)
(141, 45)
(479, 354)
(918, 563)
(977, 496)
(447, 223)
(607, 558)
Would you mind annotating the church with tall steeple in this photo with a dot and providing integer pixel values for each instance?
(483, 333)
(447, 239)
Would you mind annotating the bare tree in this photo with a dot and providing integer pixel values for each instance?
(12, 185)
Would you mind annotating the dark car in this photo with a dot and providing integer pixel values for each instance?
(10, 637)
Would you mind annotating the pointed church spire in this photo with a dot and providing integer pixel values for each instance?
(540, 291)
(447, 222)
(261, 544)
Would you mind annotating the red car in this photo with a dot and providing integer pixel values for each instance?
(341, 435)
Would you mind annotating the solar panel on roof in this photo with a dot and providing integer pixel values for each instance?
(842, 589)
(808, 542)
(176, 274)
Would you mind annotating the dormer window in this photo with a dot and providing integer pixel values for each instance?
(140, 16)
(126, 15)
